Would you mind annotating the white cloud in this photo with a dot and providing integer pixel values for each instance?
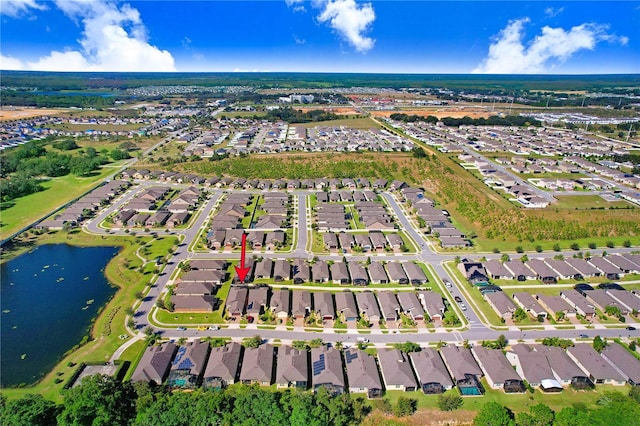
(10, 63)
(113, 39)
(17, 8)
(508, 54)
(551, 12)
(350, 21)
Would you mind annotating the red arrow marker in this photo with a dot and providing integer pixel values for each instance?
(242, 271)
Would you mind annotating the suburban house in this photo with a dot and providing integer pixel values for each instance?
(187, 366)
(279, 303)
(432, 374)
(594, 365)
(368, 306)
(623, 362)
(155, 363)
(320, 272)
(396, 370)
(362, 373)
(433, 304)
(236, 301)
(346, 306)
(323, 304)
(292, 368)
(411, 305)
(463, 368)
(533, 367)
(326, 370)
(389, 305)
(415, 274)
(579, 303)
(497, 370)
(300, 304)
(474, 272)
(530, 304)
(397, 273)
(257, 365)
(223, 366)
(501, 303)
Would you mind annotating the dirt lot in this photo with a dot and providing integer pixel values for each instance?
(455, 112)
(335, 110)
(18, 113)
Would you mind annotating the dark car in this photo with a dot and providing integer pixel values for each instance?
(458, 299)
(610, 286)
(631, 328)
(581, 288)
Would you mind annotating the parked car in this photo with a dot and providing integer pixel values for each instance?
(458, 299)
(631, 328)
(583, 336)
(447, 283)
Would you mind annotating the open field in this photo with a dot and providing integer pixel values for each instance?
(17, 113)
(441, 111)
(581, 202)
(352, 122)
(23, 211)
(333, 109)
(98, 127)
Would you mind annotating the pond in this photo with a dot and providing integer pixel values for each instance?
(48, 299)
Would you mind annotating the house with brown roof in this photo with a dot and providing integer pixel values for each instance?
(433, 304)
(397, 273)
(530, 304)
(257, 365)
(431, 372)
(579, 303)
(411, 306)
(301, 304)
(223, 366)
(501, 304)
(623, 362)
(280, 302)
(323, 304)
(320, 272)
(346, 306)
(594, 365)
(188, 365)
(236, 301)
(463, 368)
(339, 273)
(396, 370)
(292, 368)
(326, 370)
(154, 364)
(368, 306)
(362, 373)
(497, 370)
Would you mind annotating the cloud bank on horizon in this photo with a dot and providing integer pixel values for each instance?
(508, 54)
(111, 36)
(113, 39)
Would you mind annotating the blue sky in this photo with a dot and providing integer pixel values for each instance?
(502, 37)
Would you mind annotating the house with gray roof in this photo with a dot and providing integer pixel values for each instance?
(389, 306)
(600, 298)
(346, 306)
(346, 241)
(496, 270)
(623, 362)
(501, 303)
(154, 364)
(433, 304)
(556, 304)
(208, 264)
(497, 370)
(292, 368)
(474, 272)
(431, 372)
(236, 301)
(411, 305)
(363, 241)
(257, 301)
(280, 302)
(339, 273)
(188, 365)
(610, 271)
(368, 306)
(584, 268)
(530, 304)
(330, 240)
(533, 367)
(264, 269)
(257, 365)
(564, 369)
(543, 272)
(624, 264)
(519, 270)
(397, 273)
(362, 373)
(594, 365)
(323, 304)
(300, 304)
(223, 366)
(320, 272)
(326, 370)
(463, 368)
(194, 302)
(579, 303)
(377, 273)
(564, 270)
(415, 274)
(396, 370)
(358, 274)
(626, 298)
(281, 270)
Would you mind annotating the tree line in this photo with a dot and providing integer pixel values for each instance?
(494, 120)
(103, 400)
(291, 115)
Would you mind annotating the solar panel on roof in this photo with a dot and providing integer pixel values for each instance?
(319, 365)
(186, 364)
(179, 355)
(350, 356)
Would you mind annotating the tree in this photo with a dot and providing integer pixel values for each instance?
(556, 247)
(599, 344)
(407, 347)
(449, 402)
(419, 152)
(99, 400)
(31, 409)
(519, 315)
(576, 415)
(611, 310)
(494, 414)
(253, 342)
(405, 406)
(538, 415)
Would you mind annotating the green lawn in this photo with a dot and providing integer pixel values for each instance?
(575, 202)
(58, 191)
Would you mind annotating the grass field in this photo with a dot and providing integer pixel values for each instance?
(352, 122)
(97, 127)
(58, 191)
(581, 202)
(121, 271)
